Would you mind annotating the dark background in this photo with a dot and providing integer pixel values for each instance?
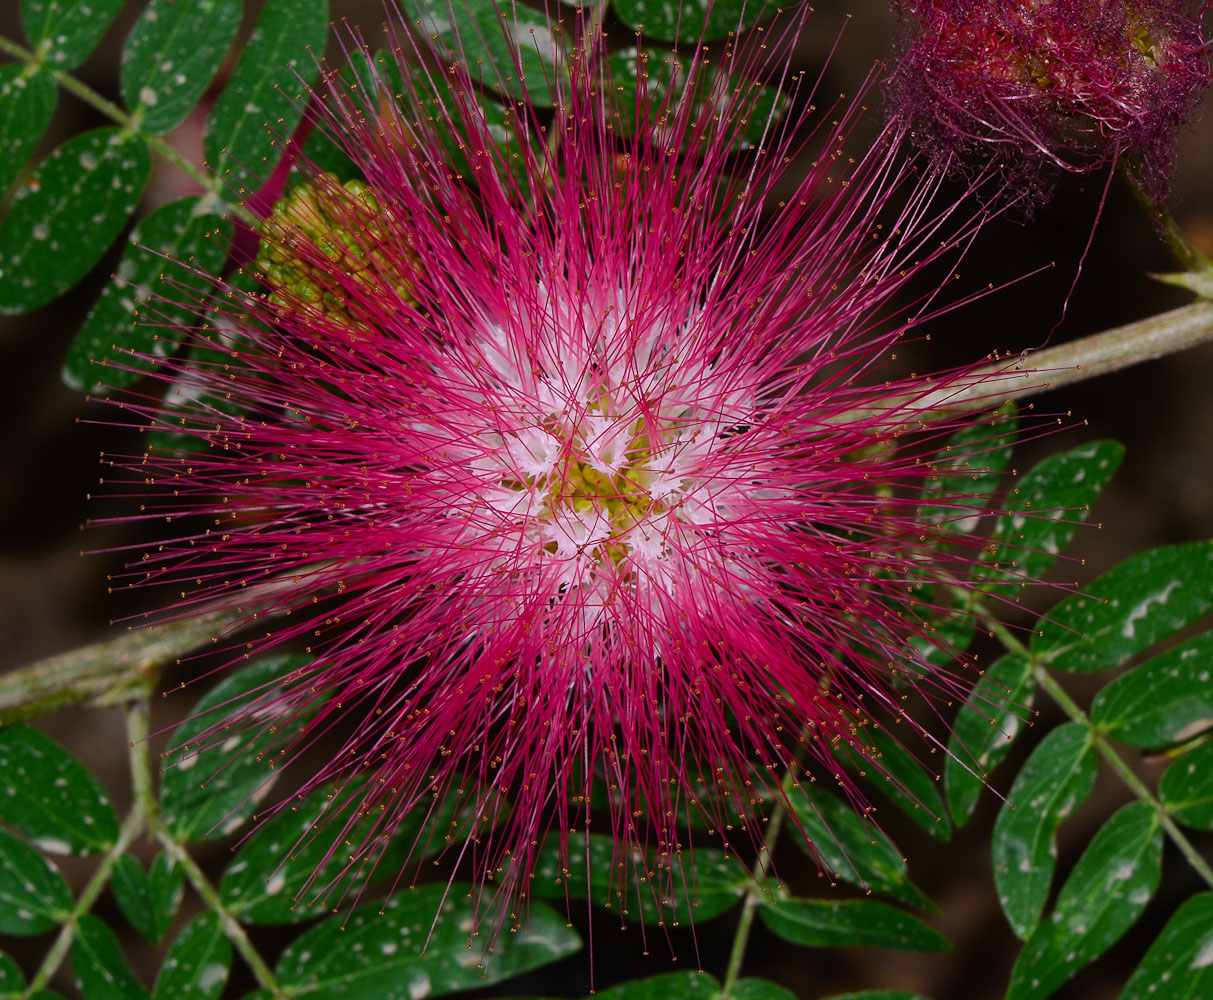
(52, 598)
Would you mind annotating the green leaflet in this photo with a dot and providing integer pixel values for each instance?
(67, 215)
(51, 797)
(1181, 959)
(993, 715)
(1186, 789)
(265, 95)
(1052, 783)
(27, 103)
(1167, 699)
(101, 969)
(1132, 606)
(374, 953)
(820, 923)
(197, 965)
(69, 30)
(33, 896)
(171, 56)
(156, 291)
(1109, 887)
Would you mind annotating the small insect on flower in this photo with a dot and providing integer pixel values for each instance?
(1070, 84)
(574, 454)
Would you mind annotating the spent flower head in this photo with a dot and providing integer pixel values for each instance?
(580, 457)
(1039, 84)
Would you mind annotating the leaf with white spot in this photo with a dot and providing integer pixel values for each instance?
(149, 900)
(967, 470)
(27, 103)
(508, 47)
(102, 971)
(263, 101)
(1054, 781)
(157, 291)
(51, 797)
(903, 778)
(1132, 606)
(1167, 699)
(851, 923)
(1186, 789)
(1179, 964)
(759, 989)
(1105, 893)
(67, 30)
(221, 761)
(171, 56)
(304, 859)
(197, 965)
(670, 985)
(12, 979)
(854, 850)
(995, 713)
(67, 213)
(375, 952)
(1045, 509)
(684, 888)
(33, 896)
(664, 21)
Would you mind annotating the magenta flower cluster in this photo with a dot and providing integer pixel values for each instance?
(1033, 84)
(582, 461)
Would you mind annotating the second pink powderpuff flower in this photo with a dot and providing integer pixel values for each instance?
(1039, 84)
(576, 456)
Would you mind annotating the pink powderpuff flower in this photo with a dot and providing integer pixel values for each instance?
(577, 457)
(1034, 84)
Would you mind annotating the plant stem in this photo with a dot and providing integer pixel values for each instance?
(1188, 256)
(149, 808)
(131, 123)
(1031, 374)
(125, 669)
(745, 923)
(1106, 750)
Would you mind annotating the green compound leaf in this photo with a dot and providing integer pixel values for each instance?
(149, 901)
(1186, 789)
(1109, 887)
(970, 467)
(171, 56)
(27, 104)
(163, 257)
(651, 72)
(268, 882)
(12, 979)
(658, 20)
(374, 952)
(1165, 700)
(680, 985)
(197, 965)
(1146, 598)
(985, 728)
(263, 101)
(33, 896)
(855, 851)
(759, 989)
(480, 37)
(1179, 964)
(51, 797)
(691, 888)
(1045, 510)
(67, 214)
(820, 923)
(67, 30)
(1054, 781)
(902, 778)
(877, 995)
(214, 781)
(102, 971)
